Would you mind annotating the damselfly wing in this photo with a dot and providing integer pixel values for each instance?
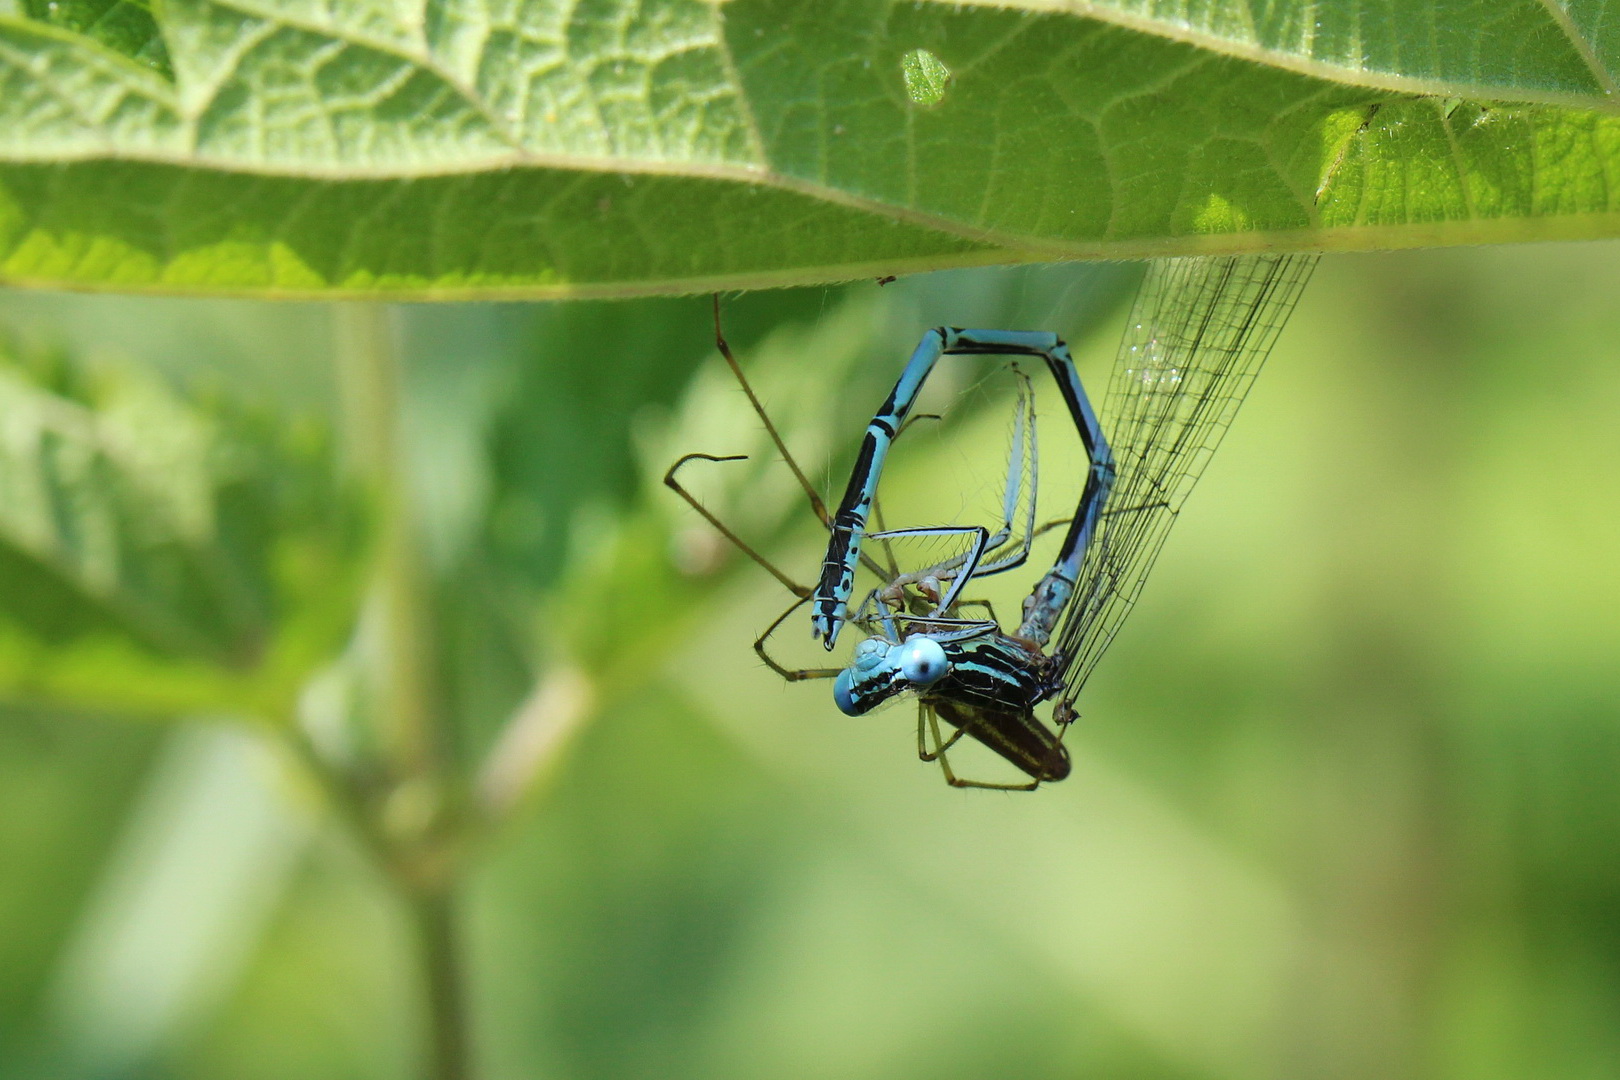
(1197, 335)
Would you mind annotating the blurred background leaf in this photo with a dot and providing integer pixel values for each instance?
(1343, 801)
(547, 149)
(187, 539)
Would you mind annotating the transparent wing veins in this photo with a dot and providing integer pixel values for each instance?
(1197, 336)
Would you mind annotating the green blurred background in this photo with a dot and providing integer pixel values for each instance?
(1346, 796)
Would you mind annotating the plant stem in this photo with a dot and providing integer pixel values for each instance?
(406, 717)
(449, 1055)
(411, 824)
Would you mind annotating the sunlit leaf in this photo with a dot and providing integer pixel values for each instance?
(537, 147)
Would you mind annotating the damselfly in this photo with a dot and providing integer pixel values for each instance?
(1196, 337)
(983, 681)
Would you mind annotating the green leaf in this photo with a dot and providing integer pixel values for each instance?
(1524, 50)
(542, 148)
(159, 554)
(124, 26)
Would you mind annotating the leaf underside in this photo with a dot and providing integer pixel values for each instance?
(460, 148)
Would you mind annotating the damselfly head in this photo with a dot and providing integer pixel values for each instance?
(853, 689)
(880, 669)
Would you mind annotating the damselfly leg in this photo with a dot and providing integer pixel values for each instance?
(928, 727)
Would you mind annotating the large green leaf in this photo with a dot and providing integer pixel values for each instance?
(560, 147)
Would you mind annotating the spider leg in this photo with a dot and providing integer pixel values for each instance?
(790, 674)
(691, 500)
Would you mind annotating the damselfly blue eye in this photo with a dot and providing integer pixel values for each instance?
(922, 661)
(844, 693)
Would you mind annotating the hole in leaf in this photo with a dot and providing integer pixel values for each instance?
(926, 76)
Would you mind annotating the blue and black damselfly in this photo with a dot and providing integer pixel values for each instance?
(1197, 335)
